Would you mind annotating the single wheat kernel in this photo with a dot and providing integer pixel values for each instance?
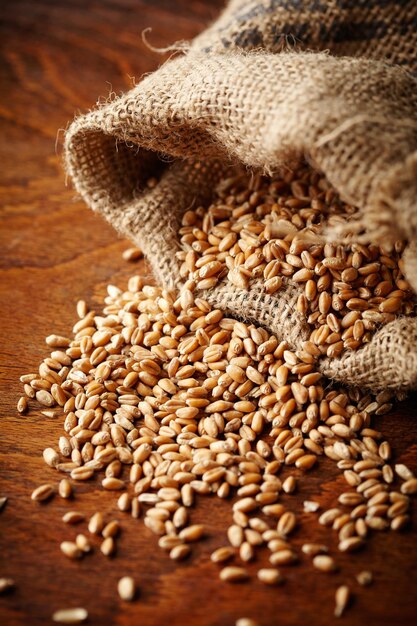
(111, 529)
(64, 488)
(113, 484)
(310, 506)
(82, 473)
(70, 616)
(324, 563)
(289, 485)
(57, 341)
(132, 254)
(108, 546)
(192, 533)
(286, 523)
(233, 574)
(45, 398)
(246, 552)
(351, 544)
(235, 535)
(180, 552)
(403, 471)
(6, 584)
(82, 310)
(364, 578)
(270, 576)
(409, 487)
(22, 405)
(283, 557)
(342, 598)
(73, 517)
(124, 502)
(400, 522)
(223, 554)
(51, 457)
(313, 549)
(96, 524)
(43, 493)
(126, 588)
(328, 517)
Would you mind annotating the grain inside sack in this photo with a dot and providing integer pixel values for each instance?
(240, 96)
(275, 277)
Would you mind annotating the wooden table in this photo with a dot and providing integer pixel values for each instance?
(58, 57)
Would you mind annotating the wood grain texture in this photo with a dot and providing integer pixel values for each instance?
(57, 57)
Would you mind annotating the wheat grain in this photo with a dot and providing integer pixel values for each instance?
(64, 488)
(192, 533)
(22, 405)
(403, 471)
(6, 584)
(180, 552)
(73, 517)
(108, 546)
(275, 240)
(233, 574)
(43, 493)
(70, 616)
(222, 554)
(126, 588)
(342, 598)
(96, 524)
(182, 399)
(364, 578)
(111, 529)
(51, 457)
(270, 576)
(313, 549)
(409, 487)
(132, 254)
(324, 563)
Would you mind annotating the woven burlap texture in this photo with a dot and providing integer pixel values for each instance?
(354, 119)
(377, 29)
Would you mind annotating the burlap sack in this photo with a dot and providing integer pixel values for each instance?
(241, 95)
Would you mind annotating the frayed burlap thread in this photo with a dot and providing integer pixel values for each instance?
(355, 119)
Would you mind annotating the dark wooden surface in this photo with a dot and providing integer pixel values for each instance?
(57, 58)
